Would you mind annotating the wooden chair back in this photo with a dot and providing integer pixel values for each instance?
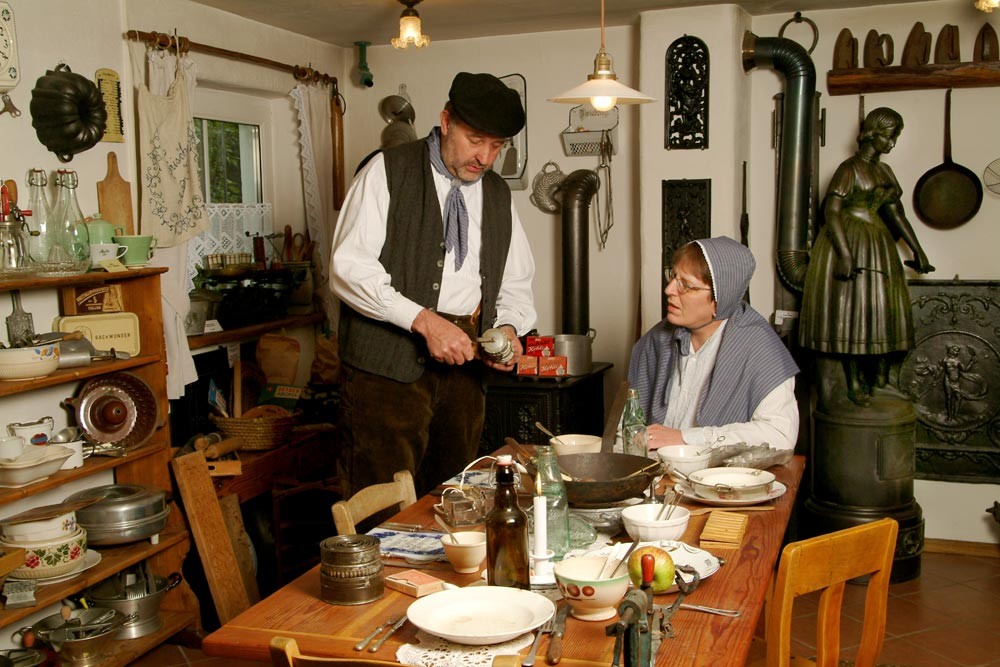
(826, 563)
(285, 653)
(371, 499)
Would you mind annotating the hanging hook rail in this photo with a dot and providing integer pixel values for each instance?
(162, 40)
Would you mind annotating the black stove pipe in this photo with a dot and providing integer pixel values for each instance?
(793, 61)
(577, 190)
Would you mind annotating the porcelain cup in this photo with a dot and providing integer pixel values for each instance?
(11, 447)
(37, 432)
(468, 554)
(102, 251)
(139, 248)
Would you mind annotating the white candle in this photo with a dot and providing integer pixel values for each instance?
(541, 522)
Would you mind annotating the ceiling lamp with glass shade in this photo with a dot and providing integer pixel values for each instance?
(602, 89)
(409, 27)
(987, 5)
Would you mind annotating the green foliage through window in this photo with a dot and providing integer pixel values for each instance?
(231, 152)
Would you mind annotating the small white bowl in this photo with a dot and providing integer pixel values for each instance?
(642, 526)
(684, 458)
(53, 528)
(470, 552)
(35, 463)
(590, 598)
(576, 443)
(28, 363)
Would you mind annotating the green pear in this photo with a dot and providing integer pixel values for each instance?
(663, 568)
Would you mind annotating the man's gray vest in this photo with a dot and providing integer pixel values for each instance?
(413, 256)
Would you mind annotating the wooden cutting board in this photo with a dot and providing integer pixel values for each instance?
(114, 197)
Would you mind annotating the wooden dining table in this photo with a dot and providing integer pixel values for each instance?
(322, 629)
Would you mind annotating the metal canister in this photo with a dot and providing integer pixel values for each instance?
(350, 570)
(496, 346)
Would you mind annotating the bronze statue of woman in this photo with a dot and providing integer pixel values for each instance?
(855, 302)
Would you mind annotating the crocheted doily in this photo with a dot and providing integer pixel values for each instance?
(432, 651)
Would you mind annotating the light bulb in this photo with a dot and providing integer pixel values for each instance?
(603, 102)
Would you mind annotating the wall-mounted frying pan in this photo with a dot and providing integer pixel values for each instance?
(948, 195)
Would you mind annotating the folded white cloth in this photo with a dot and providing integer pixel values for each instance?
(432, 651)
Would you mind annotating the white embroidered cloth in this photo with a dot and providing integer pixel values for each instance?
(432, 651)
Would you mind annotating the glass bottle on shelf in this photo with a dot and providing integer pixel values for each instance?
(634, 440)
(68, 222)
(39, 217)
(550, 484)
(507, 533)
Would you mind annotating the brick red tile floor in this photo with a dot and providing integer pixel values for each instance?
(948, 617)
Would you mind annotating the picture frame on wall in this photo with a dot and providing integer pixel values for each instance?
(512, 162)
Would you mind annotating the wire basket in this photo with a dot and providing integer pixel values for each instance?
(259, 433)
(587, 128)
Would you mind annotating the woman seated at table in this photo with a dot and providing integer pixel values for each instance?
(714, 371)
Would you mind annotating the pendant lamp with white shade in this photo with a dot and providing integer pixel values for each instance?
(602, 88)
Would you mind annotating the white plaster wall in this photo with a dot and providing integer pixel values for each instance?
(952, 511)
(551, 62)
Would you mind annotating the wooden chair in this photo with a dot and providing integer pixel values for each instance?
(825, 563)
(372, 499)
(285, 653)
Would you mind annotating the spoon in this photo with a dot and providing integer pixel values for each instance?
(441, 522)
(549, 433)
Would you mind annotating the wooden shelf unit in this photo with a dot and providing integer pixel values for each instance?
(253, 331)
(895, 78)
(149, 464)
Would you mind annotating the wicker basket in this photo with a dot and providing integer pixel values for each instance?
(260, 433)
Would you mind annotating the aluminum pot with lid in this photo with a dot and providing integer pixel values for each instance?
(144, 610)
(122, 513)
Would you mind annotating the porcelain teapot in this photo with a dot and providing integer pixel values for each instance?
(101, 231)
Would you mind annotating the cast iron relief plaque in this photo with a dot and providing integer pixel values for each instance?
(953, 378)
(686, 216)
(686, 110)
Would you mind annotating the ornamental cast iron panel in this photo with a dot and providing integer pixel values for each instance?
(685, 122)
(953, 378)
(687, 208)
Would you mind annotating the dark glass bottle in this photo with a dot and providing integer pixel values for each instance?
(507, 533)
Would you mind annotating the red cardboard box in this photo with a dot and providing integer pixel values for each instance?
(552, 366)
(527, 365)
(539, 346)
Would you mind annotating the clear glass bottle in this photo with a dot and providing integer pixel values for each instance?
(68, 221)
(39, 217)
(507, 533)
(634, 440)
(549, 483)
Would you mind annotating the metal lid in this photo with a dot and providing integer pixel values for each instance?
(119, 502)
(349, 550)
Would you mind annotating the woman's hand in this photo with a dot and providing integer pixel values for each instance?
(658, 435)
(920, 263)
(844, 268)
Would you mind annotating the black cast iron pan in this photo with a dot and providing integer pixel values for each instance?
(948, 195)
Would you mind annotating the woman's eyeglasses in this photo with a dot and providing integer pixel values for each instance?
(682, 287)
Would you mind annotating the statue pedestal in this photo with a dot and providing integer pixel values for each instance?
(862, 466)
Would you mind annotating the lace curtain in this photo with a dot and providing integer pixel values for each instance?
(231, 228)
(312, 103)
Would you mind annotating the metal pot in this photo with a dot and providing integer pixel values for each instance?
(77, 648)
(577, 350)
(111, 593)
(123, 512)
(731, 483)
(604, 479)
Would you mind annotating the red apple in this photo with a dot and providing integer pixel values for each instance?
(663, 568)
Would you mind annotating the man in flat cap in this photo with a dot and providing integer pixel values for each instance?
(428, 254)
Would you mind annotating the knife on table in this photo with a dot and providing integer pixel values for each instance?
(395, 626)
(554, 653)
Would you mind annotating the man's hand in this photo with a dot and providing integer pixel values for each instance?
(446, 342)
(658, 435)
(518, 351)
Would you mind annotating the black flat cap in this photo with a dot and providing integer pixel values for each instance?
(483, 102)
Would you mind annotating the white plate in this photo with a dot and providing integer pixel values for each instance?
(89, 560)
(480, 615)
(704, 563)
(777, 490)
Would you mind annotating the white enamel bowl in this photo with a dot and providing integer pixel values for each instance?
(590, 598)
(576, 443)
(732, 483)
(684, 458)
(27, 363)
(642, 525)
